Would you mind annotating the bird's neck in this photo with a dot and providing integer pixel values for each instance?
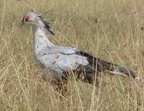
(40, 37)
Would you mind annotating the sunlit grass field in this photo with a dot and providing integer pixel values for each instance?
(107, 29)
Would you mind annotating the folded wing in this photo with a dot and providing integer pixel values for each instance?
(65, 59)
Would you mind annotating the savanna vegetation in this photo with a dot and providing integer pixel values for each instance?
(107, 29)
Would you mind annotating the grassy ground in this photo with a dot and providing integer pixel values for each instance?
(108, 29)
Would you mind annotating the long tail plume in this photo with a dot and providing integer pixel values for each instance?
(96, 64)
(123, 72)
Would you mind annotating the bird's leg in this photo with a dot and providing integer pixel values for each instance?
(97, 83)
(60, 85)
(92, 79)
(58, 82)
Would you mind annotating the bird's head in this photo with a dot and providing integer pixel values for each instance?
(32, 18)
(28, 18)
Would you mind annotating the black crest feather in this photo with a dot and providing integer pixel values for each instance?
(46, 25)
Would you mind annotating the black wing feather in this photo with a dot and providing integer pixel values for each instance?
(98, 65)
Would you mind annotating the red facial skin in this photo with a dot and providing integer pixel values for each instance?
(25, 18)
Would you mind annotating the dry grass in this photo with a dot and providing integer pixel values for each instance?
(108, 29)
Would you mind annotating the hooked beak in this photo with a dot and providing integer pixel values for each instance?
(22, 22)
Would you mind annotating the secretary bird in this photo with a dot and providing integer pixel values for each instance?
(65, 60)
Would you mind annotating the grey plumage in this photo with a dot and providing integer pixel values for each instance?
(63, 60)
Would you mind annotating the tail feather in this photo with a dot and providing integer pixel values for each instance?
(117, 73)
(96, 64)
(122, 71)
(126, 71)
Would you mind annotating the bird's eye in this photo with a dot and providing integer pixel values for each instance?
(26, 19)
